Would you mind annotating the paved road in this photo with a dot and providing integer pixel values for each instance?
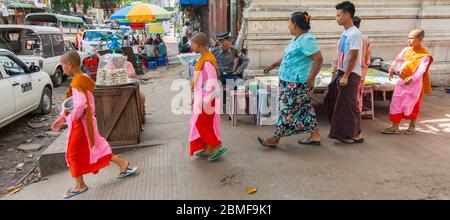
(385, 167)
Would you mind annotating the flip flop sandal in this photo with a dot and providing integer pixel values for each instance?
(71, 193)
(348, 141)
(308, 142)
(263, 142)
(201, 153)
(358, 141)
(216, 155)
(410, 132)
(129, 172)
(390, 131)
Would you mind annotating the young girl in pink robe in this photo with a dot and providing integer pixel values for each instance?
(204, 134)
(87, 151)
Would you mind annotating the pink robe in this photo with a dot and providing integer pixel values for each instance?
(204, 91)
(101, 147)
(405, 97)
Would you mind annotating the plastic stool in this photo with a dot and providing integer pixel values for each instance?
(371, 111)
(161, 61)
(263, 107)
(248, 103)
(152, 64)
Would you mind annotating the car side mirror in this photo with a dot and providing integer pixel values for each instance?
(33, 69)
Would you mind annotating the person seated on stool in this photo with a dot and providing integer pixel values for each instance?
(184, 47)
(226, 55)
(160, 48)
(148, 51)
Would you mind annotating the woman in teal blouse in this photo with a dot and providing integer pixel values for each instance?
(299, 67)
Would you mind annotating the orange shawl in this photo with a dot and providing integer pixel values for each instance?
(413, 57)
(207, 57)
(84, 84)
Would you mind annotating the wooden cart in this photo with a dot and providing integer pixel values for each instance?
(118, 112)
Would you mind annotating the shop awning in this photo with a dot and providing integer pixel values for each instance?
(193, 2)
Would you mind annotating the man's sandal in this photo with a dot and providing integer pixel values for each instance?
(353, 141)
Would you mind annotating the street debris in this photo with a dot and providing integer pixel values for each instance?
(36, 125)
(229, 180)
(20, 166)
(52, 133)
(250, 190)
(29, 147)
(14, 189)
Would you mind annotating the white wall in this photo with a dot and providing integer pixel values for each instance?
(386, 22)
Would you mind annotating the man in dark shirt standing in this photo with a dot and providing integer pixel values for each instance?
(227, 59)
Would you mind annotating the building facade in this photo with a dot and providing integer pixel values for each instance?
(386, 22)
(214, 16)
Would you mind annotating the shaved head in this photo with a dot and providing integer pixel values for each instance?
(418, 33)
(201, 39)
(71, 57)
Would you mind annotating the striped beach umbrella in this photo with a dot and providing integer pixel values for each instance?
(141, 12)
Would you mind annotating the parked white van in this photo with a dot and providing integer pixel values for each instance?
(23, 89)
(38, 45)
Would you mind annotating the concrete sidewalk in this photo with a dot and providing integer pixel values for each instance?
(385, 167)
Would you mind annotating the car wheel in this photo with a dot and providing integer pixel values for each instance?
(57, 78)
(45, 106)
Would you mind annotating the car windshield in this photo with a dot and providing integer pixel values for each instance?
(95, 35)
(11, 67)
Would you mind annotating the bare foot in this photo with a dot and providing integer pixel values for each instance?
(272, 140)
(314, 137)
(124, 166)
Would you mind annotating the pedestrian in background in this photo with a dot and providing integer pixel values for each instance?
(204, 134)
